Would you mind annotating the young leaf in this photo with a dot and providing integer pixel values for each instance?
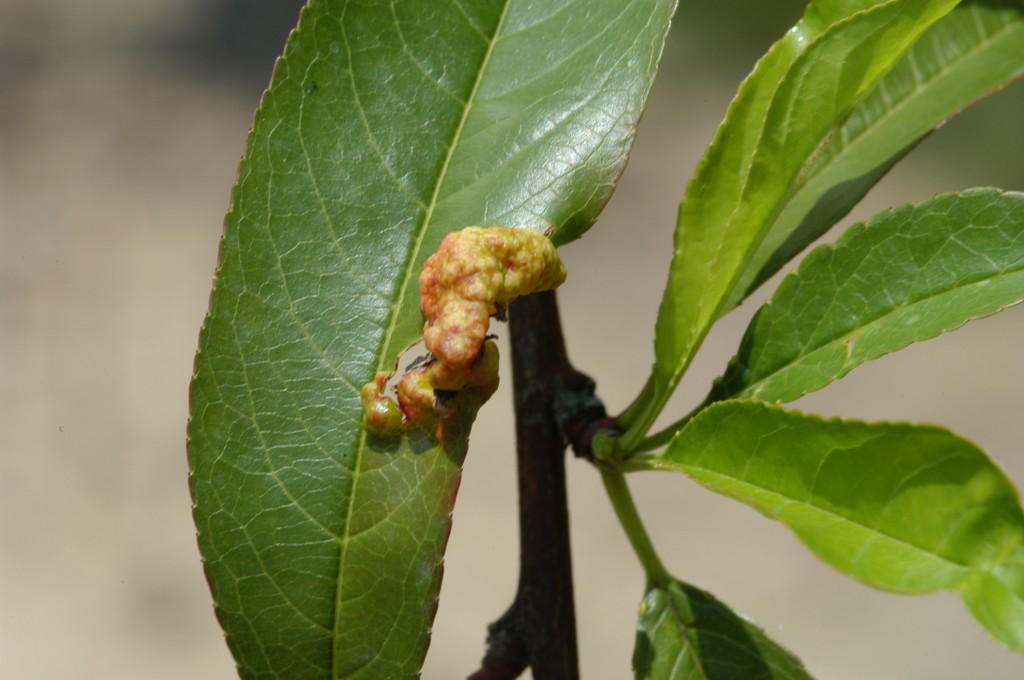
(684, 633)
(386, 126)
(718, 232)
(905, 508)
(907, 274)
(971, 52)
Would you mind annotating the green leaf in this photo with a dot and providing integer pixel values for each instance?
(386, 126)
(973, 51)
(722, 220)
(684, 633)
(906, 275)
(904, 508)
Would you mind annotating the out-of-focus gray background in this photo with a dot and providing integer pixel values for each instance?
(121, 125)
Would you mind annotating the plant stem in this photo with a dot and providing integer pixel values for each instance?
(638, 405)
(539, 629)
(625, 508)
(639, 416)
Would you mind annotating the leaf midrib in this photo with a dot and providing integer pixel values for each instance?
(671, 610)
(413, 258)
(396, 308)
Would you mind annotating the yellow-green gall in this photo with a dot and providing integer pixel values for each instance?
(482, 372)
(472, 276)
(383, 417)
(416, 398)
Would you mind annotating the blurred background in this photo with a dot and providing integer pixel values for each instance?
(121, 126)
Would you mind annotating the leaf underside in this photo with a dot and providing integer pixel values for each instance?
(379, 134)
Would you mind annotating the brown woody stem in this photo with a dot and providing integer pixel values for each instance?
(553, 401)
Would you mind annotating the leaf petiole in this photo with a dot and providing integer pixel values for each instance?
(625, 510)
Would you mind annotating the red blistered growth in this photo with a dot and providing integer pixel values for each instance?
(474, 273)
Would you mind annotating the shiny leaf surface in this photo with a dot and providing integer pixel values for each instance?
(386, 126)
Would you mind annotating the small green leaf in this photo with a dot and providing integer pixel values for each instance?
(386, 126)
(684, 633)
(906, 275)
(719, 228)
(904, 508)
(973, 51)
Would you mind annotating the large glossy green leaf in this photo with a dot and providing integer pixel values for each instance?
(905, 508)
(386, 126)
(684, 633)
(971, 52)
(908, 274)
(721, 222)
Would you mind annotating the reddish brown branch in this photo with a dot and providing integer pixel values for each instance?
(539, 629)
